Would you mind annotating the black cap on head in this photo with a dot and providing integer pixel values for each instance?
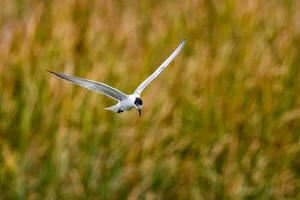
(138, 101)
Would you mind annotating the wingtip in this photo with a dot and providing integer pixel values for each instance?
(48, 70)
(52, 72)
(183, 42)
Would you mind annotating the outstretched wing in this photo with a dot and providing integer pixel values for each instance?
(146, 82)
(93, 85)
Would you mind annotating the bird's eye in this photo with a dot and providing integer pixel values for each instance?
(138, 101)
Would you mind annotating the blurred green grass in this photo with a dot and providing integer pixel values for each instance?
(225, 117)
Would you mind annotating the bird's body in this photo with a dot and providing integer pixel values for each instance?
(125, 102)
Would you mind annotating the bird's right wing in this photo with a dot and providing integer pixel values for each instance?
(146, 82)
(93, 85)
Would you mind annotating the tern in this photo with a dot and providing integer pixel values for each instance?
(125, 102)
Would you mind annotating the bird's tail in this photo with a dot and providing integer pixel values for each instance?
(114, 108)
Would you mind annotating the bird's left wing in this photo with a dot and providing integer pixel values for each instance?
(146, 82)
(93, 85)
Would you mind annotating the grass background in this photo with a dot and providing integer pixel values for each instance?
(222, 122)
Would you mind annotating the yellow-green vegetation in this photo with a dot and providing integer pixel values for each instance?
(225, 117)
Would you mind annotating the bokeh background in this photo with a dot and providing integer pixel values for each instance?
(222, 122)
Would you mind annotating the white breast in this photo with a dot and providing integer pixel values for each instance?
(128, 103)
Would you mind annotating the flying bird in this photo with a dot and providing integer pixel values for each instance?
(125, 102)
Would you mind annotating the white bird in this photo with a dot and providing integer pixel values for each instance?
(125, 102)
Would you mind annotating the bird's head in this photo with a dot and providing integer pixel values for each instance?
(139, 104)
